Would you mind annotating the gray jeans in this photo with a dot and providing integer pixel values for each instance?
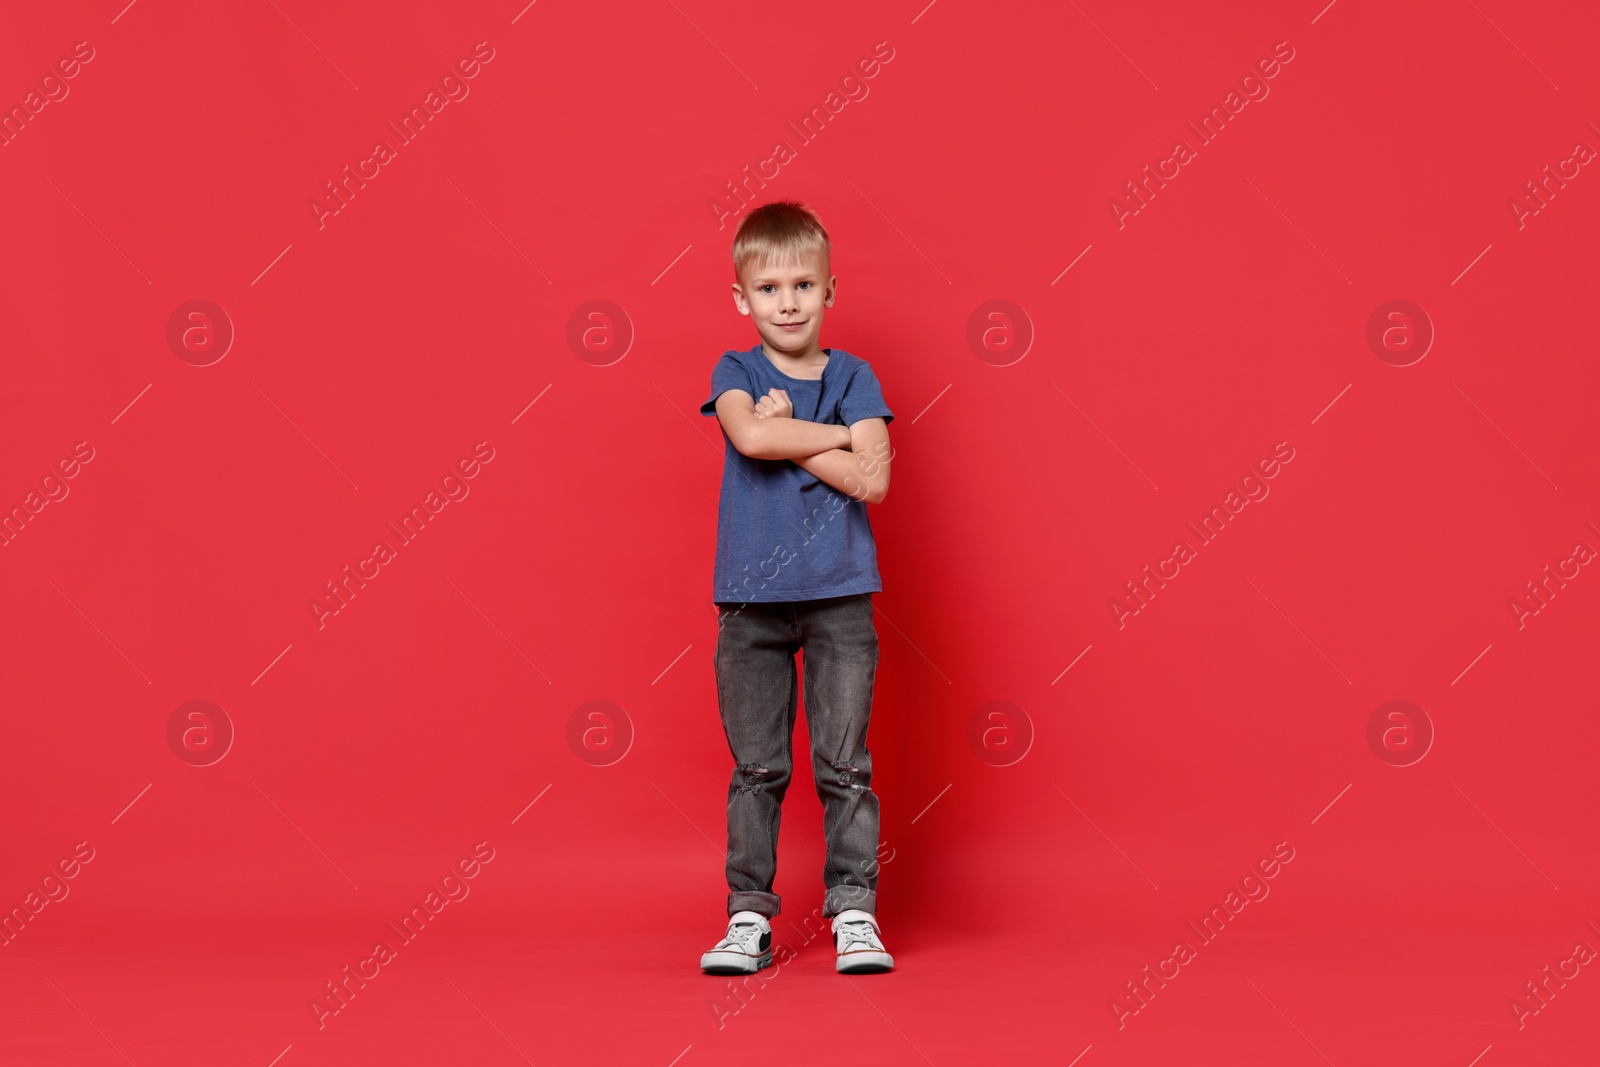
(757, 692)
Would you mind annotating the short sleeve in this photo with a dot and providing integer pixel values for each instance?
(729, 373)
(863, 398)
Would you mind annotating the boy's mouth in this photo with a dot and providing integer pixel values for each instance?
(790, 327)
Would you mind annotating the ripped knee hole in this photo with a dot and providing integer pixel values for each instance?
(846, 773)
(755, 775)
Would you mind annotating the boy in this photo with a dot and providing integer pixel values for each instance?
(807, 450)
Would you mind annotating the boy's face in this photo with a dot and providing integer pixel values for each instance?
(786, 299)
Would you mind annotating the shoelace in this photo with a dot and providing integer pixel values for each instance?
(862, 931)
(741, 934)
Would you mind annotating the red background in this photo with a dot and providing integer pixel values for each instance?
(373, 353)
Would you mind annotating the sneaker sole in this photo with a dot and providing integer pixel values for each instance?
(734, 963)
(864, 963)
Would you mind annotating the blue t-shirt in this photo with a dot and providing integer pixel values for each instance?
(782, 532)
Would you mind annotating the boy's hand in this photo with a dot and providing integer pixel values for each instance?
(775, 405)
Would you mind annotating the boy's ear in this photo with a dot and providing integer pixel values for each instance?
(739, 300)
(833, 291)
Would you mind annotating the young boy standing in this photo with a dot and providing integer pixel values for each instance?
(807, 450)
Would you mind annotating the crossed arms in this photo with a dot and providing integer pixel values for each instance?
(853, 459)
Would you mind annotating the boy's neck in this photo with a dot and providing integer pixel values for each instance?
(813, 359)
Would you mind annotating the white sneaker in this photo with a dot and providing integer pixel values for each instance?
(746, 949)
(855, 938)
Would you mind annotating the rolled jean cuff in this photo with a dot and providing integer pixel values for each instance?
(844, 897)
(753, 900)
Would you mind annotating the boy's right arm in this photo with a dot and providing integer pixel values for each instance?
(784, 438)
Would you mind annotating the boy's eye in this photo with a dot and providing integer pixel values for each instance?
(767, 288)
(804, 285)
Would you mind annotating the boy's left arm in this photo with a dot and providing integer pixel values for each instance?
(862, 472)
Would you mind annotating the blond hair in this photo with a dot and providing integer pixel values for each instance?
(780, 230)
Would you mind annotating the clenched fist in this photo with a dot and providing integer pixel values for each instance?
(775, 405)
